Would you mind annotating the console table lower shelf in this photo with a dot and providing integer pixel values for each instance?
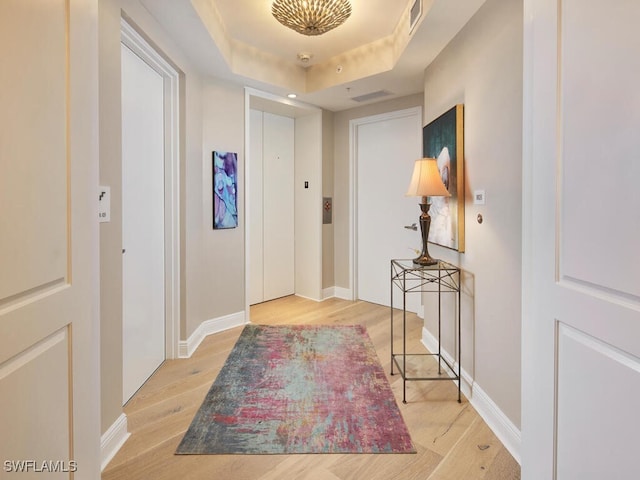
(423, 366)
(441, 278)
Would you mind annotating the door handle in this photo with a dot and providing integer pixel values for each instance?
(411, 227)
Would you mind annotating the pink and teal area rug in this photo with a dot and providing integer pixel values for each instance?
(299, 389)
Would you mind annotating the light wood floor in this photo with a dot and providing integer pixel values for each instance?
(452, 441)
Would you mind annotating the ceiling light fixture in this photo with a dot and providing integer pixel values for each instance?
(311, 17)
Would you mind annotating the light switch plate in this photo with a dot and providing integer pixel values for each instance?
(478, 197)
(104, 204)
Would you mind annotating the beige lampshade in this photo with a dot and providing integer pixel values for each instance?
(426, 180)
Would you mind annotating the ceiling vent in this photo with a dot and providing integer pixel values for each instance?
(371, 96)
(416, 11)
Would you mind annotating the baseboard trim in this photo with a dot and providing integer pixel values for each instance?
(495, 418)
(343, 293)
(311, 298)
(337, 292)
(113, 439)
(328, 293)
(209, 327)
(504, 429)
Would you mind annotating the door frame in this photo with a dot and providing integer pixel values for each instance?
(354, 124)
(271, 103)
(137, 44)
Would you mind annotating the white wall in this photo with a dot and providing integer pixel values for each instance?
(482, 68)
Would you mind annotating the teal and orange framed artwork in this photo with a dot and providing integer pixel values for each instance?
(443, 139)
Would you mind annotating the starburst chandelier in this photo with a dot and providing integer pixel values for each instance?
(311, 17)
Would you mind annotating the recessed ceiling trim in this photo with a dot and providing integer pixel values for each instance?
(361, 62)
(246, 60)
(269, 102)
(257, 64)
(202, 47)
(212, 20)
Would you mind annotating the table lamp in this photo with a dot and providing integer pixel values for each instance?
(426, 182)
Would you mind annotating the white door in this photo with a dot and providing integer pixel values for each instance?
(271, 204)
(49, 321)
(581, 285)
(278, 204)
(386, 148)
(143, 283)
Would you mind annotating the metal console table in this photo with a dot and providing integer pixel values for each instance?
(411, 278)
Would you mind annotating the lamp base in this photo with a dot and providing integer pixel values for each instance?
(425, 223)
(425, 260)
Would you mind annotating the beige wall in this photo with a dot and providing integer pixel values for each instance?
(482, 68)
(218, 262)
(342, 181)
(110, 233)
(328, 279)
(193, 270)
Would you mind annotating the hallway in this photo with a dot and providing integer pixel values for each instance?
(453, 442)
